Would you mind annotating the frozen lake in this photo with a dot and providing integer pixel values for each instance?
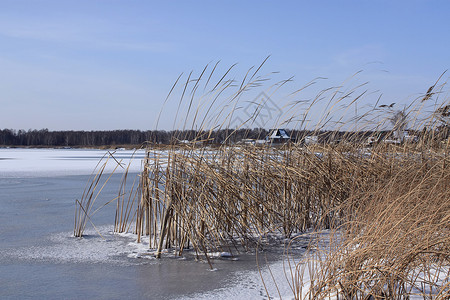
(59, 162)
(40, 258)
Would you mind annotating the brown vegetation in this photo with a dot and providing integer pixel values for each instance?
(394, 237)
(388, 204)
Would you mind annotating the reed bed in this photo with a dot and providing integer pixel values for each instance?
(386, 205)
(233, 195)
(394, 243)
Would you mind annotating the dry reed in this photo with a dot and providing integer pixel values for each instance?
(389, 204)
(394, 240)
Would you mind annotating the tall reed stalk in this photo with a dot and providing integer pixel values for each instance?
(388, 202)
(95, 185)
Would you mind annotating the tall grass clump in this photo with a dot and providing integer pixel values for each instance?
(393, 238)
(385, 203)
(393, 241)
(211, 197)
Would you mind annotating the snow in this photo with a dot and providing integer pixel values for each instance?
(272, 279)
(65, 248)
(19, 162)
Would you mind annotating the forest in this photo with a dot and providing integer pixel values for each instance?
(135, 138)
(46, 138)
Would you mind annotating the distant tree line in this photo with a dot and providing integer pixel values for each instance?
(46, 138)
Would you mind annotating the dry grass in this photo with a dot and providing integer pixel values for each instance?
(388, 205)
(232, 195)
(394, 242)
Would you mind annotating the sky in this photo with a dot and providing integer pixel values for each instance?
(110, 64)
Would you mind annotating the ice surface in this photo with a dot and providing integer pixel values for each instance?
(65, 248)
(122, 250)
(250, 285)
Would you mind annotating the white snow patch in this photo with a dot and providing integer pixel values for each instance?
(18, 162)
(92, 248)
(249, 285)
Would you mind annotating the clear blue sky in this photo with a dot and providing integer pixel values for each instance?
(95, 65)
